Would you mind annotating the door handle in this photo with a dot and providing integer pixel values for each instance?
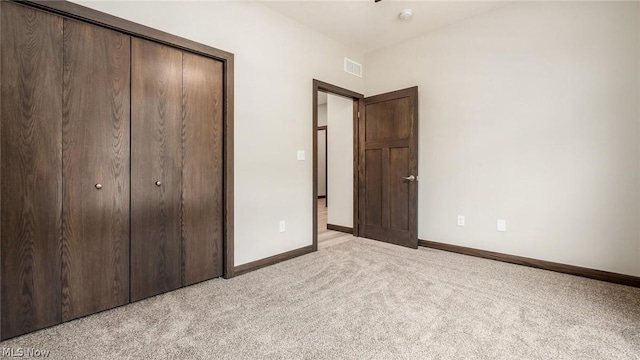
(410, 178)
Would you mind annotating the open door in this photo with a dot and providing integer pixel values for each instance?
(388, 151)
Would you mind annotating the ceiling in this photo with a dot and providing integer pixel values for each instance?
(366, 26)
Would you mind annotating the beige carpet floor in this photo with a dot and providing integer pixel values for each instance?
(366, 300)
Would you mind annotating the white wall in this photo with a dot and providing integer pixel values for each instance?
(322, 162)
(276, 59)
(529, 113)
(340, 160)
(322, 114)
(322, 147)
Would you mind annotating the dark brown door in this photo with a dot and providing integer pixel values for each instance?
(388, 198)
(31, 169)
(95, 244)
(156, 169)
(202, 172)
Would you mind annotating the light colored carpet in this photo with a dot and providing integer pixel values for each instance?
(366, 300)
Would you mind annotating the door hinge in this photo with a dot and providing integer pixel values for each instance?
(358, 114)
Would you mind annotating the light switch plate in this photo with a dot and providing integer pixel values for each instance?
(300, 155)
(502, 225)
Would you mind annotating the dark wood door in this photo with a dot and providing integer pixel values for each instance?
(96, 135)
(202, 172)
(156, 168)
(388, 198)
(31, 169)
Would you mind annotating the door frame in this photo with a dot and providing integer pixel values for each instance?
(74, 11)
(358, 102)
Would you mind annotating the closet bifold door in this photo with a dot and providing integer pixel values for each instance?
(202, 192)
(156, 156)
(95, 141)
(31, 180)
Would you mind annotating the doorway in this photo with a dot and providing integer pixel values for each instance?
(384, 164)
(335, 159)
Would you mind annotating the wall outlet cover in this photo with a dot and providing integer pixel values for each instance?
(502, 225)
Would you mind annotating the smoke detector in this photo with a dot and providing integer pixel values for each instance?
(405, 14)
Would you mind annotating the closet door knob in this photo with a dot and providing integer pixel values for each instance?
(158, 183)
(98, 186)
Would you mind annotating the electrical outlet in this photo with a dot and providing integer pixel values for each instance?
(502, 225)
(460, 220)
(301, 155)
(282, 226)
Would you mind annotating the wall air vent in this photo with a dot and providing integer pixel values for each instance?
(352, 67)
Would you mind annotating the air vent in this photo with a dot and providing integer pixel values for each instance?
(352, 67)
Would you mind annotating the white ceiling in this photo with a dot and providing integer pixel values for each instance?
(366, 26)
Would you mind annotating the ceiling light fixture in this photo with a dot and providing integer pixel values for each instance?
(405, 14)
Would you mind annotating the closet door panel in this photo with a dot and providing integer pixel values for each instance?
(96, 135)
(202, 211)
(156, 156)
(31, 156)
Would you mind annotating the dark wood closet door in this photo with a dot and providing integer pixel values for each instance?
(156, 168)
(95, 244)
(202, 192)
(31, 169)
